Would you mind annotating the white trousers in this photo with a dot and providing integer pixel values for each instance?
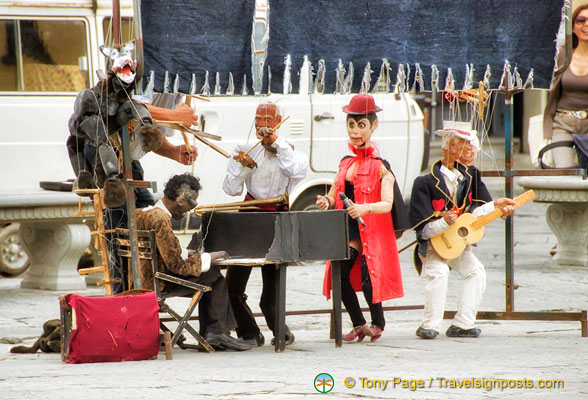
(436, 270)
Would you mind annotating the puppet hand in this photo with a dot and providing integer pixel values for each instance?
(503, 202)
(507, 211)
(183, 156)
(507, 206)
(450, 217)
(322, 202)
(357, 210)
(245, 160)
(185, 113)
(267, 135)
(219, 255)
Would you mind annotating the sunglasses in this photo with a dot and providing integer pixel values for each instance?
(580, 20)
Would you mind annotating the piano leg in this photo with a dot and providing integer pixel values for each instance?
(336, 282)
(280, 328)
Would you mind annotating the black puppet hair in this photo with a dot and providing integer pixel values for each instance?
(178, 183)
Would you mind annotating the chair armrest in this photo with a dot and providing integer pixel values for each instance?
(183, 282)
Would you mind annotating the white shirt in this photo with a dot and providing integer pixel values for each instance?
(204, 257)
(452, 177)
(274, 172)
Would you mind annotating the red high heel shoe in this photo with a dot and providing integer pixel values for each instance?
(358, 332)
(376, 332)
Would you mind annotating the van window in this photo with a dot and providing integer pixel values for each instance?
(126, 28)
(43, 55)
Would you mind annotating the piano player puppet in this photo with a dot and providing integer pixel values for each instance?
(375, 198)
(95, 126)
(437, 200)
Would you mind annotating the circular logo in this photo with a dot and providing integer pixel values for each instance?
(324, 383)
(349, 382)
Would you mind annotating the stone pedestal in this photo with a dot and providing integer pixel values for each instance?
(569, 223)
(53, 234)
(567, 216)
(55, 249)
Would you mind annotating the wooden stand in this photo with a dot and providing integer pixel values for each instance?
(100, 238)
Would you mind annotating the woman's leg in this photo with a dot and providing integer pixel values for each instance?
(563, 127)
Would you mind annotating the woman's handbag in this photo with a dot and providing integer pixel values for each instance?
(579, 143)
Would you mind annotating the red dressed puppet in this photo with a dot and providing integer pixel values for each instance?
(370, 185)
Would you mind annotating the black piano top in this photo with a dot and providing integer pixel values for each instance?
(283, 237)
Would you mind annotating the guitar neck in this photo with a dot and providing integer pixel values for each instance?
(519, 201)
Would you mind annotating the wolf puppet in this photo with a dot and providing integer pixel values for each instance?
(95, 126)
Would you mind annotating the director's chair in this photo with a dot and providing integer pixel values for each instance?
(181, 287)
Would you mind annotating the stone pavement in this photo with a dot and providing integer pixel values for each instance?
(516, 352)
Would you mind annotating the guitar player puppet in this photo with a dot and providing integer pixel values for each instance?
(438, 199)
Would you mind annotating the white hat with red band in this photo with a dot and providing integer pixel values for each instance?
(460, 129)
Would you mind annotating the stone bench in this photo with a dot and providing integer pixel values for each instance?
(567, 216)
(53, 236)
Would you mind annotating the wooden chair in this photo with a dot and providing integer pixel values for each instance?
(148, 251)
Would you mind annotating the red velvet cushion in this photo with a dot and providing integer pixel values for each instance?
(123, 328)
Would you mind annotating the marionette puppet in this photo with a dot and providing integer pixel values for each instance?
(438, 199)
(366, 186)
(95, 125)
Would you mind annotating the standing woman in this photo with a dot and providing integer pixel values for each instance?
(367, 181)
(567, 105)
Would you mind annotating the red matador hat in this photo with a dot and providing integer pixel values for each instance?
(361, 104)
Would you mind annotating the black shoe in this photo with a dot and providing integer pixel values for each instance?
(289, 338)
(454, 331)
(256, 341)
(224, 341)
(426, 333)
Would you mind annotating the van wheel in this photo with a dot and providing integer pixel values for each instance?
(307, 200)
(14, 260)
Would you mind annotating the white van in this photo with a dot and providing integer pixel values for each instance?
(49, 52)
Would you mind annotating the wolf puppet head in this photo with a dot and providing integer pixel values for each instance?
(121, 59)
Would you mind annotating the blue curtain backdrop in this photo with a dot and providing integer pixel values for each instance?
(186, 37)
(195, 36)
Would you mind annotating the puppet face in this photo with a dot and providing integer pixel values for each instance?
(360, 131)
(266, 117)
(183, 204)
(459, 149)
(580, 27)
(122, 61)
(469, 154)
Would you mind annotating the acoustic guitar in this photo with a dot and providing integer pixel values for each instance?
(467, 230)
